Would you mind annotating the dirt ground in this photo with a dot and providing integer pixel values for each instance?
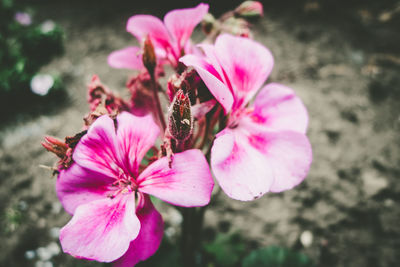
(344, 64)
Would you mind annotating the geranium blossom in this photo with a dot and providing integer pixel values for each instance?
(171, 38)
(263, 147)
(107, 191)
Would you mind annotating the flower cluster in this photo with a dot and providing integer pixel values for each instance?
(132, 149)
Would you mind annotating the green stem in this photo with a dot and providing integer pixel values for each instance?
(160, 114)
(192, 226)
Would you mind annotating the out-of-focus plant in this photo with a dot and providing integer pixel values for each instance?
(220, 115)
(276, 257)
(25, 46)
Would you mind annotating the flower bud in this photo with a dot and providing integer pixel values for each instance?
(188, 81)
(249, 9)
(55, 146)
(142, 100)
(173, 85)
(149, 56)
(237, 26)
(208, 23)
(63, 150)
(103, 101)
(180, 121)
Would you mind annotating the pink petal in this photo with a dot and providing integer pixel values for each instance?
(277, 107)
(187, 183)
(249, 164)
(135, 136)
(209, 52)
(181, 23)
(98, 149)
(142, 26)
(127, 58)
(201, 109)
(149, 238)
(241, 171)
(109, 151)
(101, 230)
(212, 80)
(247, 65)
(290, 155)
(76, 186)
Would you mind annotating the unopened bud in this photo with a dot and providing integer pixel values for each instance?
(180, 121)
(249, 9)
(72, 141)
(173, 85)
(103, 101)
(208, 23)
(237, 26)
(55, 146)
(149, 56)
(188, 81)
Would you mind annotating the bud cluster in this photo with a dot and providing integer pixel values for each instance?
(235, 22)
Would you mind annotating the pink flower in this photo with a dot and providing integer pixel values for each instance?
(23, 18)
(263, 147)
(171, 38)
(113, 217)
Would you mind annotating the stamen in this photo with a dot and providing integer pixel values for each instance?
(124, 184)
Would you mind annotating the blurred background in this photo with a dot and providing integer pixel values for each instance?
(341, 57)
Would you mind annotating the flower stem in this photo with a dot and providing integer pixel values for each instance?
(160, 114)
(192, 226)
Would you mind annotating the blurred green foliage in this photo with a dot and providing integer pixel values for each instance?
(227, 249)
(24, 48)
(168, 255)
(276, 257)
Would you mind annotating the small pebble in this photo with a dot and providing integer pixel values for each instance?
(22, 205)
(48, 26)
(53, 248)
(44, 264)
(388, 203)
(55, 232)
(41, 84)
(170, 232)
(175, 217)
(306, 238)
(41, 223)
(30, 254)
(44, 253)
(56, 207)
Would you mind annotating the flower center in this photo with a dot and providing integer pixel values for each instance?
(236, 115)
(124, 183)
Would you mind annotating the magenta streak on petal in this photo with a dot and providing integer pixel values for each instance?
(135, 135)
(259, 142)
(277, 107)
(149, 238)
(77, 186)
(180, 24)
(240, 169)
(263, 118)
(232, 158)
(101, 230)
(212, 80)
(246, 64)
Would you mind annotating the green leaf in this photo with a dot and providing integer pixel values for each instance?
(276, 257)
(227, 249)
